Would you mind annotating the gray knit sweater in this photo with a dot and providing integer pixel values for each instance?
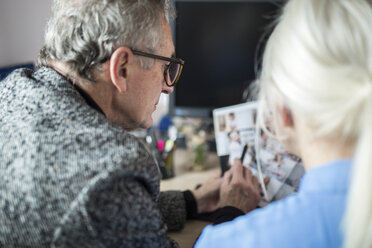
(71, 178)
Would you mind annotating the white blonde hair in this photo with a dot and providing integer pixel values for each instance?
(82, 33)
(318, 60)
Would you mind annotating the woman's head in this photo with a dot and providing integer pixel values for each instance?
(234, 136)
(318, 64)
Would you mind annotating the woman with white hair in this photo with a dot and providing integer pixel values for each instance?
(316, 84)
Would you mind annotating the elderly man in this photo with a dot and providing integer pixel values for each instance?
(71, 176)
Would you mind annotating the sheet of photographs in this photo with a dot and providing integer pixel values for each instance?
(235, 127)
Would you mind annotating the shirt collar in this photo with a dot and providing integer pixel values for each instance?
(89, 100)
(333, 176)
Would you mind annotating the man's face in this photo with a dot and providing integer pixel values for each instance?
(146, 85)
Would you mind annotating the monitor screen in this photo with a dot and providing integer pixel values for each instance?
(219, 41)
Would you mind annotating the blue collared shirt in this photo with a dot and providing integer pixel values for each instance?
(310, 218)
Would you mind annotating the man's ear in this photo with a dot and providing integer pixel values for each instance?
(119, 62)
(286, 116)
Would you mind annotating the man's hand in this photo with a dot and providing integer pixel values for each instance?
(239, 188)
(207, 196)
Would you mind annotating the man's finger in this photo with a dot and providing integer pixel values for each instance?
(248, 174)
(237, 170)
(255, 182)
(266, 180)
(227, 177)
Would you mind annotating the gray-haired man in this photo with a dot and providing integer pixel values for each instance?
(70, 175)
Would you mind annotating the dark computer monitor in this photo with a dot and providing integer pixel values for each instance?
(220, 42)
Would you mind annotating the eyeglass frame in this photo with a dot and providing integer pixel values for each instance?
(166, 71)
(154, 56)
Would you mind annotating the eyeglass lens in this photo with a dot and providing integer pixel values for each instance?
(173, 70)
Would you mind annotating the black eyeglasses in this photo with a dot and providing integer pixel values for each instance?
(172, 70)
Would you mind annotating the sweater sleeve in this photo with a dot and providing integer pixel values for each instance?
(172, 206)
(118, 213)
(176, 207)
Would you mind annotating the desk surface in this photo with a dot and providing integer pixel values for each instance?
(186, 179)
(188, 235)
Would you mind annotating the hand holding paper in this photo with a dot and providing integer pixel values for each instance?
(240, 188)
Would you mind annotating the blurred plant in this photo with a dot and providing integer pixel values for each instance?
(198, 142)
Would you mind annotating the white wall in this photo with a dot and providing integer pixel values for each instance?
(22, 24)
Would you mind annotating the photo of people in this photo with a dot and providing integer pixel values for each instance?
(235, 127)
(235, 146)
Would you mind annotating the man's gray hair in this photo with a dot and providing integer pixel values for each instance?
(82, 33)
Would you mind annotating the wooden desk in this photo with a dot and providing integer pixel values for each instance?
(188, 235)
(184, 180)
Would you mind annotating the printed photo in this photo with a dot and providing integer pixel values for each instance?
(235, 127)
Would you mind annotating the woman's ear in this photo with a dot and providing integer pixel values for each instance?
(119, 62)
(286, 129)
(286, 116)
